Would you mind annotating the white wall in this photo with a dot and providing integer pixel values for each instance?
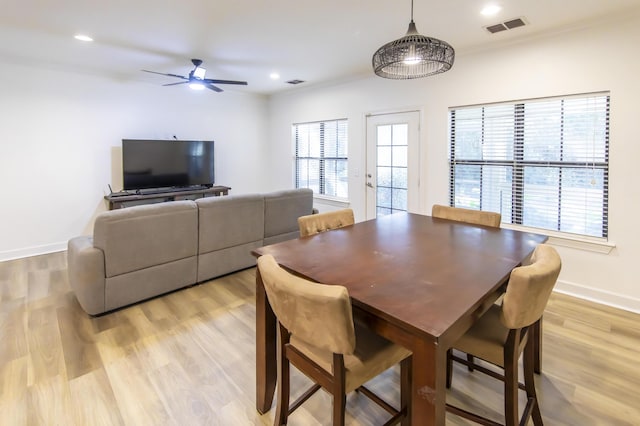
(60, 146)
(602, 57)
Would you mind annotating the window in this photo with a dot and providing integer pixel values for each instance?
(540, 163)
(321, 157)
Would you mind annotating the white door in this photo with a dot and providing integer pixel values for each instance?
(393, 161)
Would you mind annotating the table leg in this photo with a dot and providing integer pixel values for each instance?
(266, 367)
(428, 397)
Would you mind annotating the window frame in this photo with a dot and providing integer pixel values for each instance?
(517, 164)
(323, 158)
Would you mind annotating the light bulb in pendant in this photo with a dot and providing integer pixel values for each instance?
(411, 58)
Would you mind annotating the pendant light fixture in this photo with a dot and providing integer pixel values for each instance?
(413, 56)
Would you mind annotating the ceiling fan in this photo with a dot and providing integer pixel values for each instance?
(196, 78)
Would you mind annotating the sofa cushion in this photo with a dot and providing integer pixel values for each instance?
(229, 221)
(145, 283)
(143, 236)
(283, 208)
(227, 260)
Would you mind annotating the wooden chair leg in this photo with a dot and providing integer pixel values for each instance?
(449, 367)
(536, 336)
(511, 379)
(529, 382)
(339, 406)
(470, 365)
(339, 396)
(282, 410)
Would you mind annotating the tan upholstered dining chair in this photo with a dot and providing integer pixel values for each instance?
(458, 214)
(475, 217)
(503, 333)
(317, 334)
(315, 223)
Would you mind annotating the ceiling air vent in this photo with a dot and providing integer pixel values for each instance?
(296, 81)
(506, 25)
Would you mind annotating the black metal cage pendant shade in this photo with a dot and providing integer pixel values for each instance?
(413, 56)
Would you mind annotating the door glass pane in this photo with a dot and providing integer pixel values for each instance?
(384, 135)
(399, 199)
(391, 175)
(384, 197)
(384, 155)
(399, 156)
(400, 177)
(384, 176)
(400, 134)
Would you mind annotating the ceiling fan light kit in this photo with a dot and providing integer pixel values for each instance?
(196, 78)
(413, 56)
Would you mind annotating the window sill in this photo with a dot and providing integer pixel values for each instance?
(594, 245)
(332, 201)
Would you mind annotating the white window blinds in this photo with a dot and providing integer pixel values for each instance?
(540, 163)
(321, 157)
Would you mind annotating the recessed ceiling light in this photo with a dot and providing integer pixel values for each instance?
(274, 76)
(82, 37)
(490, 9)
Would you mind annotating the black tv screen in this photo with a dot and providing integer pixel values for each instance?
(167, 163)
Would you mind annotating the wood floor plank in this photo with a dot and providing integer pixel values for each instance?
(13, 337)
(180, 397)
(49, 400)
(129, 379)
(45, 348)
(189, 358)
(94, 402)
(80, 352)
(13, 391)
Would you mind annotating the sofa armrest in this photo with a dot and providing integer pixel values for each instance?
(87, 274)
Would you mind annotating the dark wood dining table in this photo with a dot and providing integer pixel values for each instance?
(419, 281)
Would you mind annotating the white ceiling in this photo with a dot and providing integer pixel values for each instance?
(315, 41)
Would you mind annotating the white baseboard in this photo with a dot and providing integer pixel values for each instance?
(32, 251)
(599, 296)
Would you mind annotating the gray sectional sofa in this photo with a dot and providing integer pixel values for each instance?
(140, 252)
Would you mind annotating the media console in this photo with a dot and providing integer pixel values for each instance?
(118, 200)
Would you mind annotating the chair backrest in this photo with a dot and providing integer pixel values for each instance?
(318, 314)
(529, 288)
(315, 223)
(458, 214)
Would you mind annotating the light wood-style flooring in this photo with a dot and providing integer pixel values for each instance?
(187, 358)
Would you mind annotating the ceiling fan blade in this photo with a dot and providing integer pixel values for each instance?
(168, 75)
(211, 80)
(173, 84)
(212, 87)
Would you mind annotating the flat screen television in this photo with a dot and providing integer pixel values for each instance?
(167, 163)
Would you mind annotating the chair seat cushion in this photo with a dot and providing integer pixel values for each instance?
(373, 355)
(486, 338)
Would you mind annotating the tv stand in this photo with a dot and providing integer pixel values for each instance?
(118, 201)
